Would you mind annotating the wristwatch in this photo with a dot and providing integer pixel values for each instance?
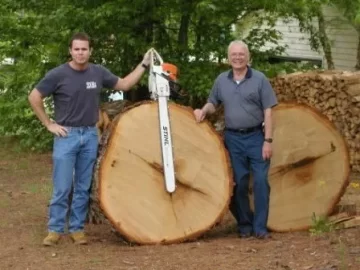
(144, 66)
(269, 140)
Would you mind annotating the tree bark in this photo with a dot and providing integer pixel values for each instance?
(325, 42)
(183, 31)
(357, 66)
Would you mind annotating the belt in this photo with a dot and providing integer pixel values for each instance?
(244, 130)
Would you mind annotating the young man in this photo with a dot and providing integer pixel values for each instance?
(247, 97)
(75, 87)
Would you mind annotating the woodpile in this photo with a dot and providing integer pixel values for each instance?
(335, 94)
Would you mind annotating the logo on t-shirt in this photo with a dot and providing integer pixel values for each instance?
(91, 85)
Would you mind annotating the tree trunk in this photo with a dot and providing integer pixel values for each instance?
(325, 42)
(357, 66)
(183, 31)
(199, 35)
(128, 179)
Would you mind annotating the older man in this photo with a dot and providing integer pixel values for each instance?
(248, 98)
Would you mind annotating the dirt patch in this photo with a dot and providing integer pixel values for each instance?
(25, 188)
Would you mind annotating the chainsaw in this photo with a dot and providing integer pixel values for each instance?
(161, 76)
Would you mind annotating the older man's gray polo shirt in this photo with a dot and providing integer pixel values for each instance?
(244, 101)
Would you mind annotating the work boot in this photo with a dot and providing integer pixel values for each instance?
(51, 239)
(263, 236)
(79, 238)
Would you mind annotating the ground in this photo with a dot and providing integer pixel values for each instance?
(25, 187)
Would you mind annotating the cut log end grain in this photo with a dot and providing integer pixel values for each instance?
(130, 177)
(336, 94)
(309, 170)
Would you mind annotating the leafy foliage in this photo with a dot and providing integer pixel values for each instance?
(192, 34)
(350, 10)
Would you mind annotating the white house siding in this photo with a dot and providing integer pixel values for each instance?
(297, 44)
(343, 38)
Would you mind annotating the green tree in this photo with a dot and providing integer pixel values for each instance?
(192, 34)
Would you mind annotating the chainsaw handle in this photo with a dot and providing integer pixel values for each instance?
(155, 55)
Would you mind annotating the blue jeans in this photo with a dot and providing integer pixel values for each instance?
(245, 152)
(74, 157)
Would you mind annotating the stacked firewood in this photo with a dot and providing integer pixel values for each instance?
(335, 94)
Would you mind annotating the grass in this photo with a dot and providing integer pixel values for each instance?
(38, 188)
(321, 225)
(342, 251)
(96, 260)
(4, 202)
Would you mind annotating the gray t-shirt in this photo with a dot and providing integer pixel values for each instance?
(244, 101)
(76, 93)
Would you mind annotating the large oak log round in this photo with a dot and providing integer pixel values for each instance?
(309, 168)
(130, 182)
